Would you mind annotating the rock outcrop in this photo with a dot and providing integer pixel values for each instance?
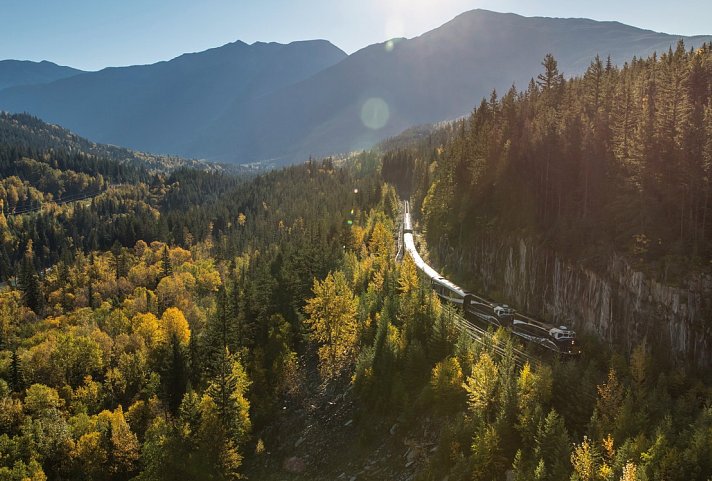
(619, 304)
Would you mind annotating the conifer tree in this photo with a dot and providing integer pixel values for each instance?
(166, 262)
(29, 281)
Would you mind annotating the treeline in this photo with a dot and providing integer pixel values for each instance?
(616, 159)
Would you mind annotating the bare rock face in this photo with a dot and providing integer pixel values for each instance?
(617, 303)
(294, 465)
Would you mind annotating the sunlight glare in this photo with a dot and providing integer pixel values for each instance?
(375, 113)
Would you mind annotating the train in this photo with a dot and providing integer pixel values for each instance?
(483, 312)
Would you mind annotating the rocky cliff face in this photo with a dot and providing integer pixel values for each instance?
(619, 304)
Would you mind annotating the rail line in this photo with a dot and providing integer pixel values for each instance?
(37, 206)
(476, 333)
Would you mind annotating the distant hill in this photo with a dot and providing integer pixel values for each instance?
(26, 133)
(24, 72)
(281, 103)
(160, 107)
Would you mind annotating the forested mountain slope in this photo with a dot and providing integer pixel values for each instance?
(584, 200)
(28, 133)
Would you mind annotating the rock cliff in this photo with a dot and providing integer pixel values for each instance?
(619, 304)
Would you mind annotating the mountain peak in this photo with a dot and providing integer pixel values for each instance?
(27, 72)
(267, 100)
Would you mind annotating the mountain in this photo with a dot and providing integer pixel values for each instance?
(24, 72)
(440, 75)
(25, 133)
(158, 107)
(281, 103)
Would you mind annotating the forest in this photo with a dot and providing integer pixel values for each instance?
(157, 330)
(619, 159)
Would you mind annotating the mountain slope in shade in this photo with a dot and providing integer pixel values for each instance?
(440, 75)
(157, 107)
(281, 103)
(27, 134)
(24, 72)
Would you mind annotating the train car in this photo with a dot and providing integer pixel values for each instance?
(485, 312)
(447, 291)
(407, 226)
(477, 309)
(557, 339)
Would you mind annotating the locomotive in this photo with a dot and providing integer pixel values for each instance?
(478, 310)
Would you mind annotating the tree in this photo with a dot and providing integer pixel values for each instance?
(550, 80)
(175, 375)
(630, 472)
(611, 395)
(481, 386)
(552, 447)
(586, 461)
(166, 262)
(228, 390)
(408, 280)
(333, 324)
(29, 281)
(17, 380)
(174, 325)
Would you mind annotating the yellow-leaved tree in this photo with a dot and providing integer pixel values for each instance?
(332, 319)
(173, 323)
(408, 275)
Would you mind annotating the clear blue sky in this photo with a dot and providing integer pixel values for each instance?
(91, 34)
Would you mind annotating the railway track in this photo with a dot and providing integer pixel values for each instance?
(476, 333)
(35, 207)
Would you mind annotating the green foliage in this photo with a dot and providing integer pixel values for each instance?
(615, 160)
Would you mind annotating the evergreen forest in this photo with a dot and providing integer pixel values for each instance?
(164, 322)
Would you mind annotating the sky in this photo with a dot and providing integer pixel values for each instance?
(92, 34)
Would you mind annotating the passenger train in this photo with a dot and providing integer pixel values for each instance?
(478, 310)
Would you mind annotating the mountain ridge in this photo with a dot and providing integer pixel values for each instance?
(27, 72)
(286, 112)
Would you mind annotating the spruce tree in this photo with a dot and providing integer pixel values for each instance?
(29, 281)
(166, 262)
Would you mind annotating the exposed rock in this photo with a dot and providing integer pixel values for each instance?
(617, 303)
(294, 465)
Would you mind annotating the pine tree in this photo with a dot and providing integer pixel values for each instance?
(16, 376)
(228, 389)
(29, 281)
(175, 376)
(166, 262)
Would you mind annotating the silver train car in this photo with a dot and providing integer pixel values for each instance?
(478, 310)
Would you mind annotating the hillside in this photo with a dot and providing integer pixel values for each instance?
(160, 107)
(436, 76)
(24, 72)
(311, 97)
(25, 132)
(585, 201)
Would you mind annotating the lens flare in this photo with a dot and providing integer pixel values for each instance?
(375, 113)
